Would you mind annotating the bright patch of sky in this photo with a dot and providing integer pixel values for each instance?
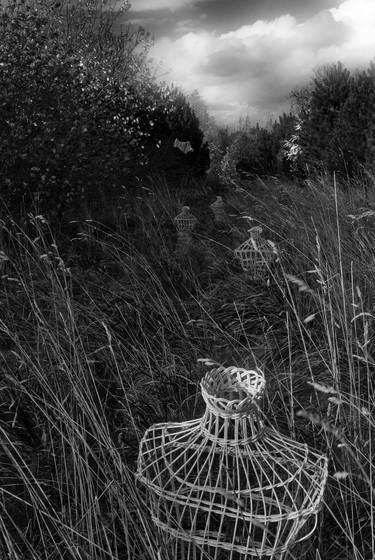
(245, 56)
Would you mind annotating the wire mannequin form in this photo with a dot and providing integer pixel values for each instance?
(255, 254)
(218, 210)
(185, 223)
(226, 486)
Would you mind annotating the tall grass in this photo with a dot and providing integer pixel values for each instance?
(324, 274)
(101, 337)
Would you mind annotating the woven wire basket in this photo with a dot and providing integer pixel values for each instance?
(255, 254)
(185, 221)
(226, 486)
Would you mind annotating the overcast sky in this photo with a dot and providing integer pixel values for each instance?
(244, 56)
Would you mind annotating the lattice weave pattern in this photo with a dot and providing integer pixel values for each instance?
(255, 254)
(225, 482)
(185, 221)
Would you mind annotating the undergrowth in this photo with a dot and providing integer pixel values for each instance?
(106, 332)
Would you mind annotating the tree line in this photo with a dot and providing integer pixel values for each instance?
(330, 129)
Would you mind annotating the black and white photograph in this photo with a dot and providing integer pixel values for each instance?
(187, 279)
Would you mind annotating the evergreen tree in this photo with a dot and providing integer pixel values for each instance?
(321, 144)
(331, 121)
(354, 121)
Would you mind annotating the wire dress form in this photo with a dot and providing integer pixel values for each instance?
(255, 254)
(185, 223)
(226, 486)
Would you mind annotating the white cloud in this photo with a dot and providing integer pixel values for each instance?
(279, 28)
(359, 17)
(252, 69)
(358, 14)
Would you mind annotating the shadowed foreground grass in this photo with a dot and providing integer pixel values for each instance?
(106, 334)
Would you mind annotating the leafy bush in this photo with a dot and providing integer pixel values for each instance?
(173, 119)
(81, 114)
(334, 130)
(252, 150)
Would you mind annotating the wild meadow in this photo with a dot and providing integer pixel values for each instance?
(105, 331)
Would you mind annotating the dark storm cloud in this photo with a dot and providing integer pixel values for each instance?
(224, 15)
(220, 15)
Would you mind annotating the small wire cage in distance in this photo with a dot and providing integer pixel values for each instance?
(185, 221)
(225, 485)
(255, 255)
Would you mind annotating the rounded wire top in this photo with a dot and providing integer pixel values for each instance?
(232, 391)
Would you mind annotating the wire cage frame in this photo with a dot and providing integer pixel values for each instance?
(185, 221)
(218, 209)
(225, 485)
(255, 254)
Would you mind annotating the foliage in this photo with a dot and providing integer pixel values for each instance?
(320, 142)
(65, 117)
(366, 115)
(93, 355)
(206, 122)
(176, 119)
(258, 156)
(333, 122)
(218, 146)
(81, 114)
(252, 150)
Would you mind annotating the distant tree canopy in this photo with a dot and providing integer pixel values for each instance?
(80, 111)
(334, 122)
(251, 150)
(331, 128)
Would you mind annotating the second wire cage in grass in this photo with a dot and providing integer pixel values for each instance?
(255, 255)
(185, 223)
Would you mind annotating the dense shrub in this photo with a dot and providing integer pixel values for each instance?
(81, 114)
(252, 150)
(173, 119)
(334, 122)
(330, 129)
